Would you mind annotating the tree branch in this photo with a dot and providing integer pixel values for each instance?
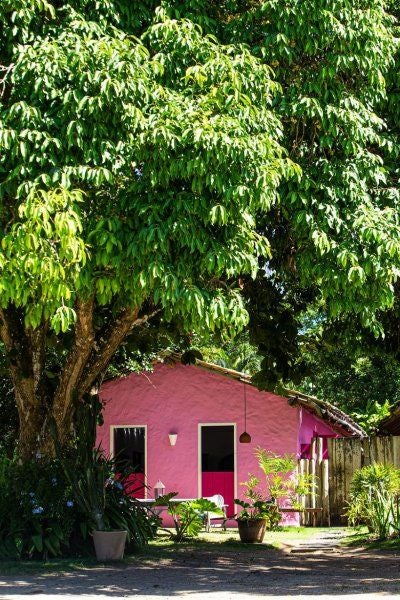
(37, 342)
(75, 363)
(19, 355)
(25, 376)
(109, 343)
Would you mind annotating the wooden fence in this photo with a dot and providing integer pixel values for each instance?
(346, 455)
(316, 506)
(333, 475)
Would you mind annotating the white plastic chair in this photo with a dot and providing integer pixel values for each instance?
(213, 516)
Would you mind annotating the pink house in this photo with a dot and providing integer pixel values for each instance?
(181, 425)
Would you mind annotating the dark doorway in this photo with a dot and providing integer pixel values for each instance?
(218, 462)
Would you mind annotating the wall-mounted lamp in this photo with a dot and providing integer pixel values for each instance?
(159, 489)
(172, 438)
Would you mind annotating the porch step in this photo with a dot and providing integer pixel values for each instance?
(311, 549)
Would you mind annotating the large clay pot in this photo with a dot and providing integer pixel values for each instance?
(109, 545)
(252, 531)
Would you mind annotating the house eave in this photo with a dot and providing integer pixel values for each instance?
(337, 419)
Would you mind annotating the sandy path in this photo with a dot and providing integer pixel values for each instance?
(224, 575)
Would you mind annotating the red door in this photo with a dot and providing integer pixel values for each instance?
(218, 463)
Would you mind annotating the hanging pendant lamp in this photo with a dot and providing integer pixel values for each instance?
(245, 438)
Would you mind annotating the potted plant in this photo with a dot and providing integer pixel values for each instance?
(89, 485)
(103, 488)
(256, 512)
(260, 510)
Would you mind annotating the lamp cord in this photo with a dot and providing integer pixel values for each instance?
(245, 406)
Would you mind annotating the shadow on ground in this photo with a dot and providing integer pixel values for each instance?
(269, 573)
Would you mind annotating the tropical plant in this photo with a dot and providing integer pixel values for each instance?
(104, 494)
(103, 487)
(188, 517)
(256, 507)
(374, 499)
(282, 480)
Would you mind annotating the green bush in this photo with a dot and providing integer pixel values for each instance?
(41, 514)
(374, 499)
(37, 513)
(188, 517)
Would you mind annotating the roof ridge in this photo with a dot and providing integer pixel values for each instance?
(342, 419)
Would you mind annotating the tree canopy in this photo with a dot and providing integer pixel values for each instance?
(132, 170)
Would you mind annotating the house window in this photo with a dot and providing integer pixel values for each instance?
(129, 445)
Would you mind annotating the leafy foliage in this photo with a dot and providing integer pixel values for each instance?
(350, 368)
(340, 220)
(38, 517)
(374, 499)
(132, 169)
(188, 517)
(282, 481)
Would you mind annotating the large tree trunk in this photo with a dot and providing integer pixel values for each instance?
(46, 409)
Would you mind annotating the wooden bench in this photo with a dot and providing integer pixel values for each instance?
(313, 511)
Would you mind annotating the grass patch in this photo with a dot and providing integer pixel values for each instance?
(53, 565)
(360, 537)
(214, 541)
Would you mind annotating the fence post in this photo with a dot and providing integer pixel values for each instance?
(303, 470)
(313, 473)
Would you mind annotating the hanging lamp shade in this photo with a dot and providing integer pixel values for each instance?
(245, 438)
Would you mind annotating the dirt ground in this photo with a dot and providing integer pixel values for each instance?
(251, 574)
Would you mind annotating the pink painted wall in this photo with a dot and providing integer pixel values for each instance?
(309, 427)
(178, 398)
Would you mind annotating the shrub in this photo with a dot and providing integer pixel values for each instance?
(189, 516)
(41, 513)
(374, 499)
(37, 512)
(282, 480)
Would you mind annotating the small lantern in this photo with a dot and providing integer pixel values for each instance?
(159, 489)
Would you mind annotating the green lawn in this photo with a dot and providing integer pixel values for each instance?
(163, 547)
(359, 537)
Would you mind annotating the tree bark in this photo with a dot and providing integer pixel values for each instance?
(25, 351)
(67, 389)
(38, 404)
(108, 343)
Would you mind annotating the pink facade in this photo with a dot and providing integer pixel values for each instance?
(181, 399)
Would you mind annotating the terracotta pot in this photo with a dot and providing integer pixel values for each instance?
(252, 531)
(109, 545)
